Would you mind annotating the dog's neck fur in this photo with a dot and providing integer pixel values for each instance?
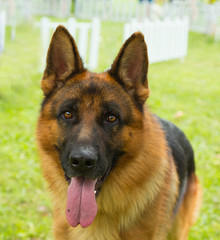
(115, 201)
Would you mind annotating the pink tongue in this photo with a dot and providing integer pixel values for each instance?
(81, 205)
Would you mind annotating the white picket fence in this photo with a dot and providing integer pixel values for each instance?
(2, 30)
(207, 19)
(86, 34)
(165, 39)
(115, 10)
(61, 8)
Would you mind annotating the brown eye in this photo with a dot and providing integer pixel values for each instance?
(111, 118)
(68, 115)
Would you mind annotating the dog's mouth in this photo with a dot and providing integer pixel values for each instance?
(99, 181)
(81, 199)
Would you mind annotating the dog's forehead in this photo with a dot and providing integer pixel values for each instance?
(94, 86)
(91, 90)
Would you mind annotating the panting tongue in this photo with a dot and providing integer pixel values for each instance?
(81, 205)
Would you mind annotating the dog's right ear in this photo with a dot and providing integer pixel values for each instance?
(63, 60)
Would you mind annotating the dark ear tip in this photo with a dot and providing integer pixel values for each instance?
(60, 29)
(138, 35)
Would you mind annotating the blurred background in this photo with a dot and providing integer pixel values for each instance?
(183, 38)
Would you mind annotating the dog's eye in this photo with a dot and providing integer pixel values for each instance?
(68, 115)
(111, 118)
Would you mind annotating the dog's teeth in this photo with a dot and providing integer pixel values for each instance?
(95, 192)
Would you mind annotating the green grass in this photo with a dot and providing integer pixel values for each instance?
(191, 87)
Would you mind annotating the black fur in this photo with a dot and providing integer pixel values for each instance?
(182, 152)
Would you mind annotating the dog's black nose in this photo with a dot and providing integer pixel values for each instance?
(82, 163)
(83, 159)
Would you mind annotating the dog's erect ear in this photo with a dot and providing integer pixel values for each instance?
(130, 68)
(63, 60)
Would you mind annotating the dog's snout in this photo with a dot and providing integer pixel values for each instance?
(83, 159)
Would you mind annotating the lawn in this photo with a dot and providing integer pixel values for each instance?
(186, 93)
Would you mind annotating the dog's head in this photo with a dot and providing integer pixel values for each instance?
(88, 118)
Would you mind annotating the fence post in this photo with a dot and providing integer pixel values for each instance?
(71, 26)
(126, 31)
(186, 36)
(77, 10)
(2, 30)
(94, 43)
(83, 40)
(45, 36)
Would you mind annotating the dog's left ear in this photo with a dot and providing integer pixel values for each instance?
(131, 66)
(63, 60)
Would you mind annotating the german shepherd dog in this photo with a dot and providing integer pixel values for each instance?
(115, 170)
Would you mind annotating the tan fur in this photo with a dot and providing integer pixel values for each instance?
(138, 198)
(188, 211)
(121, 216)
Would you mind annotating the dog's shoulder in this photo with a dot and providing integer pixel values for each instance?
(180, 148)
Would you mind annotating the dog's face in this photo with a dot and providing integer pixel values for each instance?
(90, 113)
(87, 117)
